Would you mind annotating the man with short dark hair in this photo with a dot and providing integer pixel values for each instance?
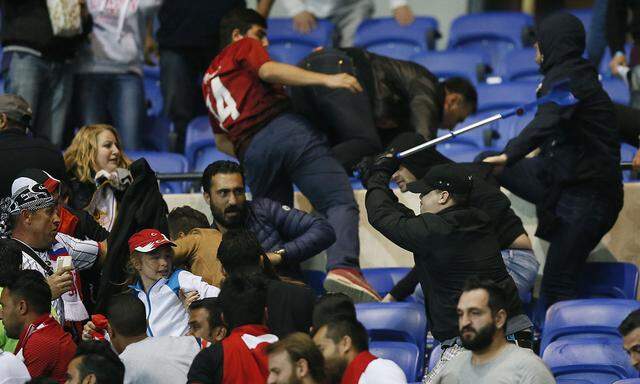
(288, 235)
(331, 306)
(399, 96)
(289, 305)
(205, 320)
(95, 363)
(630, 331)
(26, 315)
(240, 358)
(344, 343)
(196, 244)
(251, 118)
(18, 150)
(158, 359)
(482, 318)
(11, 261)
(295, 360)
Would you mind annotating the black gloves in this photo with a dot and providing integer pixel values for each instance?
(386, 162)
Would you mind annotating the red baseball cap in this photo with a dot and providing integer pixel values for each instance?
(148, 240)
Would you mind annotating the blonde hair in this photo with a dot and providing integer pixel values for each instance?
(80, 157)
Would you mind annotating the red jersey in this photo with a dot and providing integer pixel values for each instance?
(46, 349)
(239, 102)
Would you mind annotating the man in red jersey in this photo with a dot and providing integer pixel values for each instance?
(44, 346)
(251, 119)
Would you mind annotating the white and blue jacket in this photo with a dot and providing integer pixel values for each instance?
(166, 316)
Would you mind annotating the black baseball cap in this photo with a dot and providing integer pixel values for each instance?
(444, 177)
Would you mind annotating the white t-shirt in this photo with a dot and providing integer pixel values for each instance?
(12, 370)
(382, 371)
(159, 360)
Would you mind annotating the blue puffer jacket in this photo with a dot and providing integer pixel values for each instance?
(300, 234)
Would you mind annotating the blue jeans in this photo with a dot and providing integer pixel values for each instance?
(46, 85)
(596, 36)
(288, 151)
(116, 99)
(584, 215)
(522, 266)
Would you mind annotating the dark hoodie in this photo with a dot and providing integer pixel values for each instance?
(580, 142)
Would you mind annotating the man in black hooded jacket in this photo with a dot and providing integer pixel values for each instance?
(575, 180)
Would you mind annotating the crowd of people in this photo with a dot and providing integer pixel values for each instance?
(101, 283)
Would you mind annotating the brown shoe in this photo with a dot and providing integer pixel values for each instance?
(351, 282)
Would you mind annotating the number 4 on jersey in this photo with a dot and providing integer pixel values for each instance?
(225, 104)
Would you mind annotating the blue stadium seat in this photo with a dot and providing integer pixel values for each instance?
(494, 32)
(617, 90)
(450, 63)
(627, 152)
(584, 14)
(164, 162)
(573, 381)
(614, 280)
(459, 149)
(281, 31)
(199, 135)
(494, 98)
(434, 356)
(384, 279)
(628, 381)
(155, 133)
(289, 52)
(596, 360)
(584, 319)
(420, 35)
(406, 355)
(315, 280)
(395, 50)
(207, 155)
(511, 127)
(520, 65)
(395, 322)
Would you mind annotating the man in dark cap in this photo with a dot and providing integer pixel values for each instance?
(451, 241)
(575, 180)
(18, 150)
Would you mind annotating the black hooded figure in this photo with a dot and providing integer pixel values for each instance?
(575, 180)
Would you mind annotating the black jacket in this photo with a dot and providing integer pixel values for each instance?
(448, 248)
(580, 142)
(19, 151)
(26, 23)
(142, 207)
(405, 92)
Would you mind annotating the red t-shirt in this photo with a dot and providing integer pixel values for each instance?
(46, 348)
(239, 102)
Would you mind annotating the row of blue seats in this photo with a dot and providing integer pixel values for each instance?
(402, 338)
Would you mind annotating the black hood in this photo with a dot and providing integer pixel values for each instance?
(561, 38)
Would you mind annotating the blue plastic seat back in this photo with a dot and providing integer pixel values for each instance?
(627, 152)
(153, 96)
(395, 49)
(609, 279)
(384, 279)
(378, 31)
(164, 162)
(494, 32)
(500, 97)
(628, 381)
(434, 356)
(584, 14)
(383, 321)
(199, 134)
(511, 127)
(315, 280)
(573, 381)
(289, 52)
(617, 90)
(406, 355)
(281, 31)
(520, 65)
(207, 155)
(451, 63)
(459, 149)
(584, 318)
(596, 360)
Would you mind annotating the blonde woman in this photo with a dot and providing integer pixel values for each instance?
(97, 171)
